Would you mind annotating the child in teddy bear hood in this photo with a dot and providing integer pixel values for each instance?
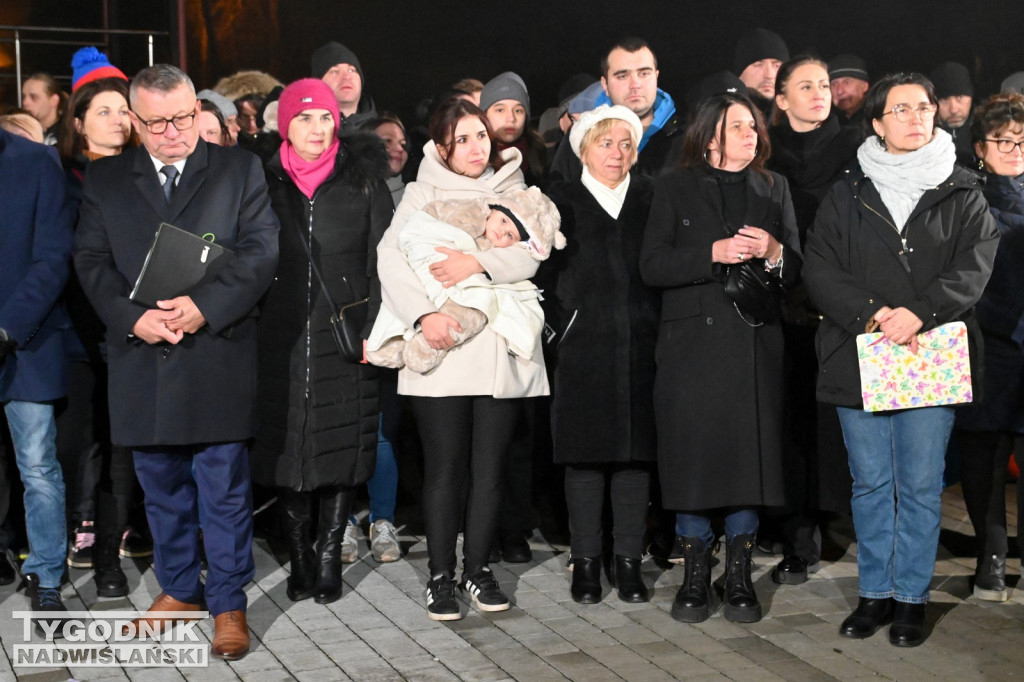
(515, 219)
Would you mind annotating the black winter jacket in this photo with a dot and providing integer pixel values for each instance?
(318, 413)
(856, 262)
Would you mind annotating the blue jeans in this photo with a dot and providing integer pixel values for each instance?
(737, 522)
(34, 436)
(383, 487)
(897, 460)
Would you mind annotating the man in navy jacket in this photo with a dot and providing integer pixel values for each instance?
(35, 245)
(182, 375)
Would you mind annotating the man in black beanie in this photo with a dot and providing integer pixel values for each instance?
(339, 67)
(849, 83)
(759, 54)
(955, 92)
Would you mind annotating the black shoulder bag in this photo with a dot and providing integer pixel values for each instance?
(753, 290)
(348, 321)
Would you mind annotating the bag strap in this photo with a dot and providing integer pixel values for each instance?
(316, 272)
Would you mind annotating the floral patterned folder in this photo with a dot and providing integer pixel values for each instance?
(894, 378)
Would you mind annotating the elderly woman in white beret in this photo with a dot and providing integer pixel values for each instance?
(606, 324)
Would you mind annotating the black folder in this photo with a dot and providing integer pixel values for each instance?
(177, 263)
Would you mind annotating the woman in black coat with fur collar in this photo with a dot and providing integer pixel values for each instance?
(605, 321)
(718, 391)
(318, 413)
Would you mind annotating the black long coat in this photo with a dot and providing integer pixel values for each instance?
(203, 389)
(718, 390)
(318, 413)
(606, 320)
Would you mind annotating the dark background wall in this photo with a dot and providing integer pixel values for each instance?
(410, 49)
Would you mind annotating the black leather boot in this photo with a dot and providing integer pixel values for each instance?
(628, 581)
(990, 578)
(792, 570)
(907, 627)
(693, 600)
(586, 580)
(741, 605)
(302, 560)
(869, 615)
(110, 579)
(335, 505)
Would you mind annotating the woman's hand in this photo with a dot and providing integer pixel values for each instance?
(759, 243)
(749, 242)
(455, 268)
(435, 328)
(899, 325)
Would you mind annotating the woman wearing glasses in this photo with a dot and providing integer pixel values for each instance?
(906, 241)
(993, 426)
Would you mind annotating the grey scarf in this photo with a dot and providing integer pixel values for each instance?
(901, 179)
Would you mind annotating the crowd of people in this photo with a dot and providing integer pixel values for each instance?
(673, 293)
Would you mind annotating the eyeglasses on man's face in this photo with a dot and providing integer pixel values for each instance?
(905, 112)
(157, 126)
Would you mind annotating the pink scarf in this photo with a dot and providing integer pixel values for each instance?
(308, 175)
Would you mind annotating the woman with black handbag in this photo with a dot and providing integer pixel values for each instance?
(318, 408)
(722, 243)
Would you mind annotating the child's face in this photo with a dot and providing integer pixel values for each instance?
(499, 230)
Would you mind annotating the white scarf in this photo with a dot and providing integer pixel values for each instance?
(611, 199)
(902, 179)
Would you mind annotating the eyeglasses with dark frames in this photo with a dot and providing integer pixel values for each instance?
(1007, 146)
(905, 112)
(157, 126)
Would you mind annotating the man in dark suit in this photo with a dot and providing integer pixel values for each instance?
(35, 242)
(183, 375)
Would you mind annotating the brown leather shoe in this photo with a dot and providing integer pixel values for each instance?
(230, 636)
(164, 602)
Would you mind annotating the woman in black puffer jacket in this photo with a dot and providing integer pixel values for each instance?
(318, 412)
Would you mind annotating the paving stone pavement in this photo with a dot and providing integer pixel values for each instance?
(379, 629)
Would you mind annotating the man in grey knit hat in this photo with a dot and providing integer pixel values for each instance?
(339, 67)
(849, 82)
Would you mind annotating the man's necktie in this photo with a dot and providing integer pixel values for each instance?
(170, 172)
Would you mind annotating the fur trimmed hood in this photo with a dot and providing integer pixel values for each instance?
(366, 160)
(246, 83)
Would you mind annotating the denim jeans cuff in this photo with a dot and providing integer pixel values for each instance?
(910, 600)
(876, 595)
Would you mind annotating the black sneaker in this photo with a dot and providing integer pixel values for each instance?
(441, 601)
(484, 591)
(45, 599)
